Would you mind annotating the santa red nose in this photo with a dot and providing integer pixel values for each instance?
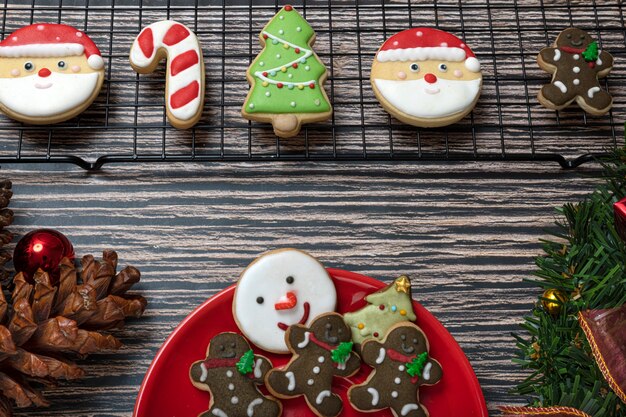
(286, 302)
(430, 78)
(44, 72)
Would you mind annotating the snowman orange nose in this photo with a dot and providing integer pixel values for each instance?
(286, 302)
(430, 78)
(44, 72)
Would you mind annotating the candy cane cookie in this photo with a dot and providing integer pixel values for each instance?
(184, 80)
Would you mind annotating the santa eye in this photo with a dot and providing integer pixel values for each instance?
(443, 67)
(259, 300)
(414, 67)
(29, 66)
(61, 64)
(289, 280)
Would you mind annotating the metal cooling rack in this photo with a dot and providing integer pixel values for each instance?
(127, 122)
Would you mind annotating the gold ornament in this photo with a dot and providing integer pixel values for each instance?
(553, 300)
(403, 284)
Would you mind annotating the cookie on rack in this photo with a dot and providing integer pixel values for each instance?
(287, 77)
(576, 65)
(49, 73)
(426, 77)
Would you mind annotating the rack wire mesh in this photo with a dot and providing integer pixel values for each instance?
(127, 122)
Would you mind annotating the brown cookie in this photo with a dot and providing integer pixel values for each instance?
(231, 373)
(401, 365)
(320, 352)
(576, 64)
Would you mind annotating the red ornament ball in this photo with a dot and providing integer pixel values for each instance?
(312, 85)
(288, 8)
(279, 85)
(42, 249)
(297, 50)
(295, 65)
(382, 306)
(375, 334)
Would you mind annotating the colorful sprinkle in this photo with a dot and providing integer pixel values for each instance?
(265, 73)
(261, 64)
(317, 102)
(286, 45)
(290, 86)
(394, 308)
(303, 60)
(290, 75)
(295, 65)
(283, 69)
(300, 87)
(375, 334)
(299, 29)
(274, 41)
(251, 105)
(267, 94)
(307, 68)
(297, 50)
(360, 326)
(403, 312)
(281, 17)
(278, 56)
(312, 85)
(272, 73)
(279, 85)
(265, 36)
(265, 83)
(281, 32)
(381, 307)
(292, 104)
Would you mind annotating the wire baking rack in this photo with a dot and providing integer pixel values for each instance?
(127, 122)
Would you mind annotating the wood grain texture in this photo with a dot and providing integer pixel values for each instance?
(466, 233)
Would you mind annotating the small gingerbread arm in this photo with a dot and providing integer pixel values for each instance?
(371, 352)
(199, 376)
(352, 365)
(604, 64)
(295, 336)
(262, 366)
(432, 373)
(547, 55)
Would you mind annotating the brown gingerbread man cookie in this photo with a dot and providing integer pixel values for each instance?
(576, 64)
(320, 352)
(231, 373)
(401, 365)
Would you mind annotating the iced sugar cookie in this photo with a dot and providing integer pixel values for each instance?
(184, 78)
(49, 73)
(287, 77)
(278, 289)
(575, 64)
(426, 77)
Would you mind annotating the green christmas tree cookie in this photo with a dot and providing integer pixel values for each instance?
(287, 77)
(386, 307)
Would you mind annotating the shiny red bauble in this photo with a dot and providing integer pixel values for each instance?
(42, 248)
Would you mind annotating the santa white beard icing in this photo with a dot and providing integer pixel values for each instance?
(281, 288)
(426, 77)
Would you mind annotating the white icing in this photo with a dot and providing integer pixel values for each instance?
(599, 61)
(561, 86)
(301, 56)
(253, 403)
(422, 54)
(234, 400)
(292, 381)
(320, 397)
(394, 394)
(472, 64)
(381, 356)
(341, 366)
(592, 91)
(310, 382)
(576, 56)
(229, 374)
(219, 413)
(183, 78)
(305, 341)
(374, 393)
(576, 70)
(63, 92)
(401, 368)
(417, 98)
(408, 408)
(557, 55)
(231, 387)
(397, 381)
(257, 368)
(42, 50)
(426, 371)
(320, 359)
(316, 370)
(576, 81)
(267, 274)
(205, 372)
(95, 62)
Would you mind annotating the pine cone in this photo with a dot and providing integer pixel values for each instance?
(6, 218)
(42, 324)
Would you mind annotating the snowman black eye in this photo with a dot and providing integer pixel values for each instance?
(61, 64)
(222, 348)
(233, 345)
(414, 67)
(29, 66)
(259, 300)
(415, 341)
(403, 337)
(289, 280)
(569, 36)
(443, 67)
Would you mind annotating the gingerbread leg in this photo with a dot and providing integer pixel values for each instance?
(554, 94)
(598, 99)
(281, 382)
(325, 403)
(361, 397)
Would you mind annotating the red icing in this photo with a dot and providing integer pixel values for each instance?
(297, 50)
(303, 319)
(430, 38)
(265, 73)
(430, 78)
(185, 95)
(265, 36)
(288, 8)
(44, 72)
(295, 65)
(175, 34)
(382, 306)
(289, 303)
(279, 85)
(375, 334)
(183, 61)
(312, 85)
(146, 42)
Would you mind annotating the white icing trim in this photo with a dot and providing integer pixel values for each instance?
(576, 81)
(561, 86)
(576, 70)
(219, 413)
(341, 366)
(592, 91)
(408, 408)
(253, 403)
(205, 372)
(472, 64)
(381, 356)
(42, 50)
(557, 55)
(599, 61)
(95, 62)
(426, 371)
(305, 342)
(374, 393)
(257, 368)
(292, 381)
(320, 397)
(422, 54)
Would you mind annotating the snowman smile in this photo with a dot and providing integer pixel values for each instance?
(304, 319)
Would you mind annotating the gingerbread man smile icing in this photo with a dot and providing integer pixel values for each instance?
(426, 77)
(279, 289)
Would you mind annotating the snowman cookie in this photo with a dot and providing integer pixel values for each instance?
(278, 289)
(401, 365)
(49, 73)
(231, 373)
(426, 77)
(321, 351)
(576, 64)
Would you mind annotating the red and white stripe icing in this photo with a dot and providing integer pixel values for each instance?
(184, 67)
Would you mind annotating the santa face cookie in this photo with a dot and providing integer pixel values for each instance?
(49, 73)
(278, 289)
(231, 373)
(401, 365)
(426, 77)
(321, 351)
(576, 64)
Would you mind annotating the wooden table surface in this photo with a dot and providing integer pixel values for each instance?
(466, 234)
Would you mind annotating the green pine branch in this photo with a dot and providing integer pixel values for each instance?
(586, 259)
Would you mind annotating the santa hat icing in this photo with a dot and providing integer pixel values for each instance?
(45, 40)
(421, 44)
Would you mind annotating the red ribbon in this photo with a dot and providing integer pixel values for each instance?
(219, 363)
(399, 357)
(571, 50)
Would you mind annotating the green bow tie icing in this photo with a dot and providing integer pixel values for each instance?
(246, 363)
(416, 366)
(340, 355)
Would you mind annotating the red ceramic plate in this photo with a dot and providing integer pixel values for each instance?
(167, 391)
